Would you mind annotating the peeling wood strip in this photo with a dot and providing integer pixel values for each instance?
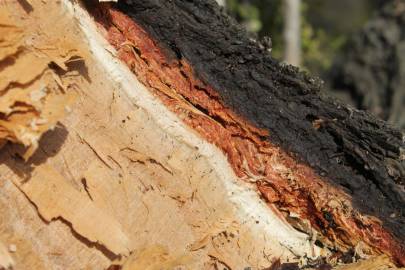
(33, 95)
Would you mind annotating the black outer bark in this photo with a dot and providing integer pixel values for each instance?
(352, 149)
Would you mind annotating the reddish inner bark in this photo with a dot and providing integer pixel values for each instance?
(291, 186)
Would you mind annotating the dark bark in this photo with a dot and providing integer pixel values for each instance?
(351, 148)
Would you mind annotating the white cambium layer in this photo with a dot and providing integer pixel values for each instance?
(248, 206)
(121, 175)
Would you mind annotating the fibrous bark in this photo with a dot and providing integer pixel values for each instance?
(191, 146)
(357, 154)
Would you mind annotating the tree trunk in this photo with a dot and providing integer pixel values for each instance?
(372, 69)
(292, 32)
(221, 2)
(159, 135)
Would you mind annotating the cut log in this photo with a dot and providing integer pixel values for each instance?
(176, 141)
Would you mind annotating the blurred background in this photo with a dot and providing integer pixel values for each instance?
(357, 47)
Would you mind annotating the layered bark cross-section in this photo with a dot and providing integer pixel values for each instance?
(122, 182)
(311, 157)
(179, 142)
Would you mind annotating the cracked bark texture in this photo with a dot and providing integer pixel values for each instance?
(188, 145)
(352, 149)
(121, 176)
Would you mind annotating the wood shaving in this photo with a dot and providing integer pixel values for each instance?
(32, 98)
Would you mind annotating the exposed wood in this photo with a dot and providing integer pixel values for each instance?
(376, 263)
(33, 98)
(6, 261)
(135, 162)
(257, 105)
(186, 145)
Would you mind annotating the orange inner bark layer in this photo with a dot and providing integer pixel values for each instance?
(283, 182)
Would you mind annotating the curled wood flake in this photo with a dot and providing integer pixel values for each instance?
(32, 95)
(10, 37)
